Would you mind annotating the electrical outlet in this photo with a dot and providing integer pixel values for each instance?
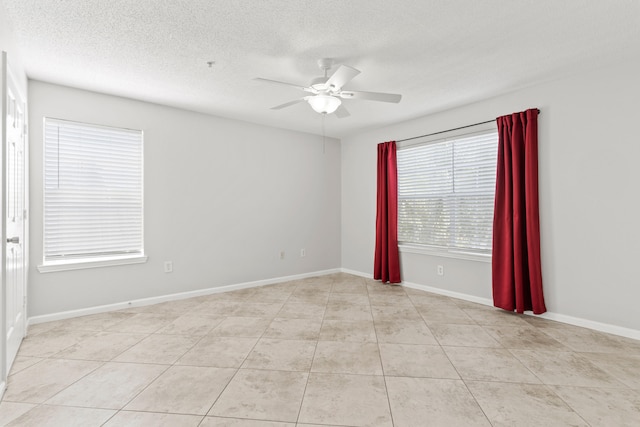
(281, 254)
(440, 270)
(168, 266)
(303, 253)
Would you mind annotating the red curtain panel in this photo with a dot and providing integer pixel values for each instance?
(516, 268)
(387, 260)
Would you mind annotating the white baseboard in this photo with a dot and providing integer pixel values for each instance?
(558, 317)
(171, 297)
(439, 291)
(591, 324)
(452, 294)
(3, 387)
(356, 273)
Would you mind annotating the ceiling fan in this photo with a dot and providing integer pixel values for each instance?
(326, 93)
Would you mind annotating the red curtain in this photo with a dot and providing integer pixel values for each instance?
(516, 268)
(387, 260)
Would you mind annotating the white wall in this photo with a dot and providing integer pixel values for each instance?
(222, 198)
(8, 44)
(589, 195)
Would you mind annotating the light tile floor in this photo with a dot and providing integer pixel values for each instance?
(335, 350)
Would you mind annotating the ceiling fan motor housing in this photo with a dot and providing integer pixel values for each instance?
(319, 83)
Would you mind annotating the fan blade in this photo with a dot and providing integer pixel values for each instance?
(371, 96)
(259, 79)
(342, 76)
(342, 112)
(288, 104)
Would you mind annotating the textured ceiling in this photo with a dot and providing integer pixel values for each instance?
(438, 54)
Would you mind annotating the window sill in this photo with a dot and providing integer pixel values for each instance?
(80, 264)
(441, 252)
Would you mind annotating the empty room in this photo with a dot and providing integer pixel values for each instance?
(290, 213)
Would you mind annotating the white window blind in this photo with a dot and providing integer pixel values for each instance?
(446, 193)
(92, 191)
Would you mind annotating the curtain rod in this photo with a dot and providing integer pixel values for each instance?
(449, 130)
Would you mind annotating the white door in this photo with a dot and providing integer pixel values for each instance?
(14, 218)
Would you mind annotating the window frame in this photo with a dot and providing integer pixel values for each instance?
(94, 261)
(445, 251)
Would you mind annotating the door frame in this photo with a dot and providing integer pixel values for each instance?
(3, 231)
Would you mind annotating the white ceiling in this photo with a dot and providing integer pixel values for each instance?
(437, 53)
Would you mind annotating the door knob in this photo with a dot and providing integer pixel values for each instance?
(15, 239)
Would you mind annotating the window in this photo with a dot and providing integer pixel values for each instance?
(92, 194)
(446, 193)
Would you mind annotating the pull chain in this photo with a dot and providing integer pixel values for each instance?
(324, 137)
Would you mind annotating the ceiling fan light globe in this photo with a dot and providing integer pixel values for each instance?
(324, 104)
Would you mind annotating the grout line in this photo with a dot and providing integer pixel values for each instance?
(239, 367)
(384, 376)
(317, 340)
